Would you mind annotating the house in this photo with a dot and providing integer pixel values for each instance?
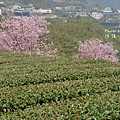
(59, 8)
(29, 8)
(118, 11)
(71, 8)
(107, 10)
(112, 14)
(110, 24)
(81, 14)
(0, 12)
(22, 13)
(42, 11)
(2, 3)
(96, 15)
(46, 11)
(16, 7)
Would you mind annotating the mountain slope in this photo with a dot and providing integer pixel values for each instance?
(109, 3)
(36, 3)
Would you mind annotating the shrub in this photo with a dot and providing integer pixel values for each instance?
(95, 49)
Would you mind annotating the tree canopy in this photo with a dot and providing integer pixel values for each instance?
(66, 35)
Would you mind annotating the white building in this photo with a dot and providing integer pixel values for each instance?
(2, 3)
(70, 7)
(0, 12)
(46, 11)
(58, 8)
(81, 14)
(96, 15)
(43, 11)
(16, 7)
(107, 10)
(118, 11)
(29, 8)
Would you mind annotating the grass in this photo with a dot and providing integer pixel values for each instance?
(42, 88)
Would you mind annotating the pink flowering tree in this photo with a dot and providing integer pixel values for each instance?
(26, 35)
(95, 49)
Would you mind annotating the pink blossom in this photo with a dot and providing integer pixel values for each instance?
(23, 34)
(95, 49)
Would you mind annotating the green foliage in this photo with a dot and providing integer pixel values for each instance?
(87, 107)
(40, 87)
(47, 70)
(36, 3)
(66, 35)
(116, 44)
(1, 18)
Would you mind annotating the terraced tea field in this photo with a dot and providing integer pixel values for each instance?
(43, 88)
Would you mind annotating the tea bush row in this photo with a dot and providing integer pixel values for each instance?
(96, 106)
(18, 79)
(19, 69)
(20, 97)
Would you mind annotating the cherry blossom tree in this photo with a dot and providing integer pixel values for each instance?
(26, 35)
(96, 49)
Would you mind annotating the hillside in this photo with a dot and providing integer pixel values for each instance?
(66, 35)
(41, 3)
(58, 0)
(50, 3)
(42, 88)
(36, 3)
(108, 3)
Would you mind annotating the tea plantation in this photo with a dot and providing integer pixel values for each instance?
(43, 88)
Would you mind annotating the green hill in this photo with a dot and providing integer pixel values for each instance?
(66, 35)
(109, 3)
(42, 3)
(36, 3)
(43, 88)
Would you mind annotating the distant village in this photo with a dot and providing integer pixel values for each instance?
(107, 16)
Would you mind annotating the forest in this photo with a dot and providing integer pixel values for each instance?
(66, 35)
(41, 3)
